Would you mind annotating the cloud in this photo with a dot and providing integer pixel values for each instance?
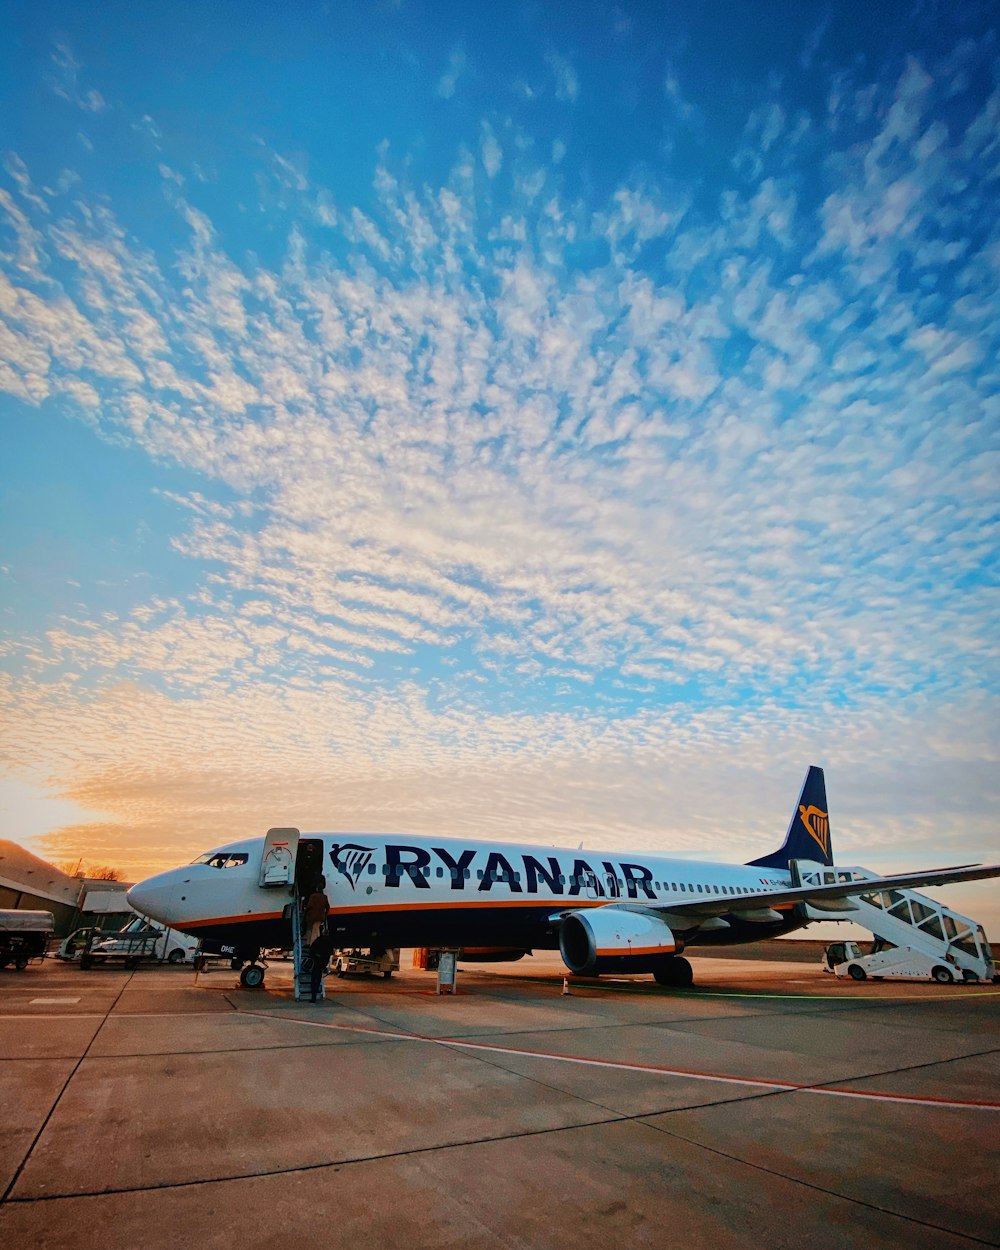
(448, 81)
(492, 153)
(498, 492)
(567, 84)
(64, 80)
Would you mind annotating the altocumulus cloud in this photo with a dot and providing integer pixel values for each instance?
(525, 514)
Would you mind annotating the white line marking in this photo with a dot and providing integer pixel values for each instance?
(51, 1015)
(38, 1002)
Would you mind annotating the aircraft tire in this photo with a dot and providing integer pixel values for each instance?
(675, 972)
(942, 975)
(252, 977)
(857, 973)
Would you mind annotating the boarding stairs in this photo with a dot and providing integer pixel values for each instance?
(301, 957)
(904, 918)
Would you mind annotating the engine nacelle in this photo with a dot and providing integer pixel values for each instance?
(606, 939)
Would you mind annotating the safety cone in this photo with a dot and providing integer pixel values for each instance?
(565, 988)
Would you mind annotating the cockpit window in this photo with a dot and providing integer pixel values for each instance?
(220, 859)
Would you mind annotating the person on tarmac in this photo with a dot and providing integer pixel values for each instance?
(316, 910)
(321, 950)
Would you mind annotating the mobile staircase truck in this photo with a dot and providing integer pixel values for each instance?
(846, 959)
(916, 936)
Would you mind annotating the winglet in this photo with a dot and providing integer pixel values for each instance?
(808, 835)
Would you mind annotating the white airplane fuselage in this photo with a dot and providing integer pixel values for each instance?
(412, 891)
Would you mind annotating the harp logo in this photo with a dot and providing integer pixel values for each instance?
(350, 860)
(817, 825)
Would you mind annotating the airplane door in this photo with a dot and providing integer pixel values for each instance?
(277, 864)
(309, 864)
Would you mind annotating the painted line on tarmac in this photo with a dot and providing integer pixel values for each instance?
(54, 1015)
(119, 1015)
(843, 998)
(784, 1087)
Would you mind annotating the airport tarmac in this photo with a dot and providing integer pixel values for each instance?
(771, 1106)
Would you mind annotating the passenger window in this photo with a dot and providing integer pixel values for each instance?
(440, 872)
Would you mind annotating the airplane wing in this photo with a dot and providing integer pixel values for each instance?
(817, 895)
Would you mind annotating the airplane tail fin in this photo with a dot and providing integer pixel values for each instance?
(808, 835)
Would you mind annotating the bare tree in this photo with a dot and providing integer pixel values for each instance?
(103, 872)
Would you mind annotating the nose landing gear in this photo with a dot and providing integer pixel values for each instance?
(252, 976)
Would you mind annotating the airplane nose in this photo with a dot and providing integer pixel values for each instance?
(137, 896)
(154, 896)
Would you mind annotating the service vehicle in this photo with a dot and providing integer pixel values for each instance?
(72, 945)
(884, 960)
(365, 961)
(24, 936)
(141, 941)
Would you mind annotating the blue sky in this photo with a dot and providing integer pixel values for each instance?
(419, 416)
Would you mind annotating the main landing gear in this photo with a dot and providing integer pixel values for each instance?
(674, 972)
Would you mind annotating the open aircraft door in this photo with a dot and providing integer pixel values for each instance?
(277, 863)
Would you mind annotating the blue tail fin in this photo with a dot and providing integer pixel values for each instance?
(808, 835)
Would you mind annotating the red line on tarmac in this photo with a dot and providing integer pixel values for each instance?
(721, 1078)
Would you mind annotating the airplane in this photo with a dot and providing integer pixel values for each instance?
(605, 911)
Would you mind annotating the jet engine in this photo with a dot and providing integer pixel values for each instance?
(607, 939)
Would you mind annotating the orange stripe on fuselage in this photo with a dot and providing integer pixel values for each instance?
(477, 904)
(260, 915)
(430, 905)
